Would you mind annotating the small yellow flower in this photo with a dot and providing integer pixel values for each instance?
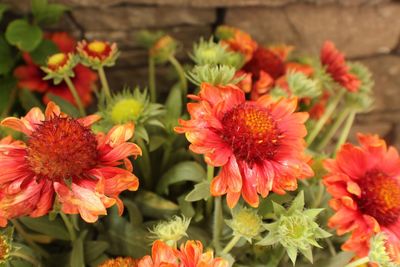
(97, 54)
(60, 65)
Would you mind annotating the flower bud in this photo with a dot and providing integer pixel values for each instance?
(379, 252)
(97, 54)
(245, 223)
(60, 65)
(163, 49)
(216, 75)
(171, 231)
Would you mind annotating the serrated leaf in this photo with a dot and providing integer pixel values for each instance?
(23, 35)
(298, 203)
(77, 257)
(43, 225)
(7, 58)
(65, 106)
(200, 191)
(45, 49)
(183, 171)
(154, 206)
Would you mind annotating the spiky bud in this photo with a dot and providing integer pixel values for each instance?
(246, 223)
(97, 54)
(378, 252)
(216, 75)
(171, 231)
(60, 65)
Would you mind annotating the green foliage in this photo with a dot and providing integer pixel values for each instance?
(43, 225)
(3, 9)
(23, 35)
(65, 106)
(45, 49)
(7, 59)
(45, 13)
(200, 191)
(147, 38)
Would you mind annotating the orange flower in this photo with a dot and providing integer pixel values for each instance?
(268, 67)
(30, 76)
(190, 255)
(120, 262)
(364, 182)
(62, 156)
(336, 66)
(259, 144)
(237, 40)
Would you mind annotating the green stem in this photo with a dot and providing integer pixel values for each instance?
(358, 262)
(145, 163)
(210, 172)
(217, 226)
(318, 198)
(328, 112)
(231, 244)
(152, 79)
(332, 130)
(21, 231)
(346, 130)
(69, 226)
(104, 83)
(10, 103)
(181, 73)
(74, 93)
(210, 176)
(25, 257)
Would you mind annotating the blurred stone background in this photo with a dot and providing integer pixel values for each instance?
(366, 30)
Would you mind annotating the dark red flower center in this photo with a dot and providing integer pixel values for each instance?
(267, 61)
(251, 132)
(380, 197)
(61, 148)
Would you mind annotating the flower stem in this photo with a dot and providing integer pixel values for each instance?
(74, 93)
(321, 122)
(358, 262)
(231, 244)
(69, 225)
(217, 226)
(210, 172)
(181, 73)
(21, 231)
(346, 130)
(210, 176)
(332, 130)
(104, 83)
(152, 79)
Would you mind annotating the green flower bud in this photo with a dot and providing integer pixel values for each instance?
(361, 100)
(295, 229)
(215, 75)
(378, 253)
(245, 223)
(163, 49)
(302, 86)
(60, 65)
(171, 231)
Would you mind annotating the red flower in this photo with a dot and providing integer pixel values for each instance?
(259, 144)
(364, 182)
(30, 76)
(336, 66)
(268, 67)
(62, 156)
(190, 255)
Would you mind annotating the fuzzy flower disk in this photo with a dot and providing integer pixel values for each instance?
(63, 157)
(259, 144)
(364, 182)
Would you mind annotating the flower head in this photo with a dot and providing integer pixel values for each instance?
(295, 229)
(237, 40)
(60, 65)
(334, 62)
(365, 186)
(120, 262)
(189, 254)
(63, 157)
(259, 144)
(171, 231)
(30, 76)
(163, 48)
(246, 223)
(379, 252)
(97, 54)
(215, 75)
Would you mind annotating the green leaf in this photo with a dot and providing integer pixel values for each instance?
(65, 106)
(77, 257)
(200, 191)
(135, 216)
(28, 100)
(94, 250)
(186, 207)
(7, 58)
(3, 8)
(6, 86)
(298, 203)
(155, 142)
(340, 260)
(43, 225)
(183, 171)
(24, 35)
(45, 49)
(154, 206)
(47, 13)
(173, 105)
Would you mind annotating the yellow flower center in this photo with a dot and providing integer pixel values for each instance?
(126, 110)
(56, 59)
(97, 46)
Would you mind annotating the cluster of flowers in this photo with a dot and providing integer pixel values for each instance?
(248, 118)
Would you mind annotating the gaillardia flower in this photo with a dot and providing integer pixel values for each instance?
(259, 144)
(97, 54)
(58, 66)
(63, 157)
(335, 64)
(189, 254)
(30, 76)
(120, 262)
(364, 182)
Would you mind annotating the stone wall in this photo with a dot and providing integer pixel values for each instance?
(366, 30)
